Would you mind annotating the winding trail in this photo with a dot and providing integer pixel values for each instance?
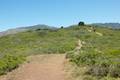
(40, 67)
(98, 33)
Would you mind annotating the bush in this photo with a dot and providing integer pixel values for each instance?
(101, 64)
(81, 23)
(10, 62)
(84, 57)
(98, 70)
(62, 27)
(114, 70)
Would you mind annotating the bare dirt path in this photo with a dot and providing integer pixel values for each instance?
(98, 33)
(40, 67)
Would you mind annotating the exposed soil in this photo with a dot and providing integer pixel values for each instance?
(40, 67)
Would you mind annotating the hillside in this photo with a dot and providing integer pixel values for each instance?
(99, 42)
(22, 29)
(39, 26)
(109, 25)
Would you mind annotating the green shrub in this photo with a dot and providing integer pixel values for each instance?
(101, 64)
(98, 70)
(114, 70)
(10, 62)
(81, 23)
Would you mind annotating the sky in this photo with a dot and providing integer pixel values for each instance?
(20, 13)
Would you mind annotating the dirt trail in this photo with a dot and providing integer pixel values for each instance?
(98, 33)
(40, 67)
(79, 45)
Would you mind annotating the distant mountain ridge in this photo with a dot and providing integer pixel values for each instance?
(11, 31)
(42, 26)
(39, 26)
(22, 29)
(109, 25)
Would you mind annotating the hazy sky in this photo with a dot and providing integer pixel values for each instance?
(17, 13)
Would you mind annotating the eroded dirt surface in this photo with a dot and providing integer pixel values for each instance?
(40, 67)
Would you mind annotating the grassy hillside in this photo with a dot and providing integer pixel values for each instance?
(37, 41)
(23, 29)
(49, 41)
(100, 56)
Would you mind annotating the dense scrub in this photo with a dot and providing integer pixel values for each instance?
(101, 54)
(10, 62)
(37, 42)
(100, 64)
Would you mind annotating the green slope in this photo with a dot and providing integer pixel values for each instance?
(47, 41)
(23, 29)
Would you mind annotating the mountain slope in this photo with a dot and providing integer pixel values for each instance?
(60, 40)
(11, 31)
(110, 25)
(39, 26)
(22, 29)
(100, 47)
